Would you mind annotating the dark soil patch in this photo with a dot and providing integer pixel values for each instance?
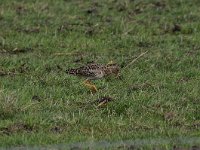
(15, 71)
(5, 49)
(160, 4)
(29, 30)
(36, 98)
(174, 28)
(57, 129)
(137, 87)
(17, 127)
(20, 10)
(103, 100)
(169, 116)
(92, 10)
(183, 80)
(90, 31)
(183, 148)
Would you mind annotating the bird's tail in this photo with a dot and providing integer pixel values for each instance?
(72, 71)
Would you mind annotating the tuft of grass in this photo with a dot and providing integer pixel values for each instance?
(8, 106)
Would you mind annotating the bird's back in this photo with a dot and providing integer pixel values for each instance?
(95, 71)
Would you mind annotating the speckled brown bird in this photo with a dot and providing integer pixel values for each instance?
(93, 71)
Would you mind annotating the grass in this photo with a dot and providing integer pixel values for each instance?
(158, 96)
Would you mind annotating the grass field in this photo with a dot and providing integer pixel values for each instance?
(157, 96)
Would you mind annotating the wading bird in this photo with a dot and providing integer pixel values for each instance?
(93, 71)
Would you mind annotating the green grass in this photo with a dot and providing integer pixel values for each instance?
(158, 95)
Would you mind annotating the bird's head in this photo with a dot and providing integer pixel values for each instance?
(113, 68)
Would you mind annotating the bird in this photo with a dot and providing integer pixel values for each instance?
(94, 71)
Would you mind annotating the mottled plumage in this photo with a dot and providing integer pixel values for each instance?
(94, 71)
